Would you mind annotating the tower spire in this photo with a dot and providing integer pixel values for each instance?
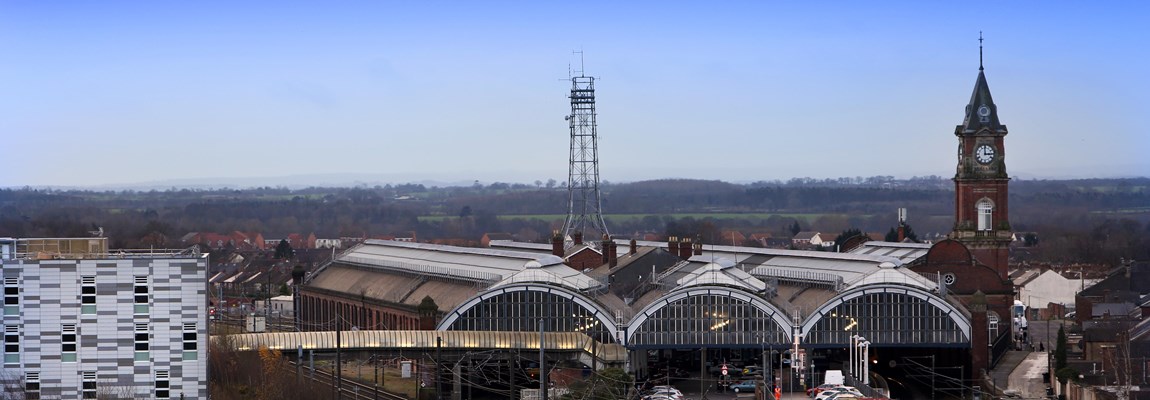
(980, 50)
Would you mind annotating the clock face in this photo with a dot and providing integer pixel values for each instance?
(984, 154)
(983, 111)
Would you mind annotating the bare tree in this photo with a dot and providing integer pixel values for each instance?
(11, 386)
(1119, 362)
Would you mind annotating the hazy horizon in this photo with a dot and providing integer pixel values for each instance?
(361, 180)
(127, 93)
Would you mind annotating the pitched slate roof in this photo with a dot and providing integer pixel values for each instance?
(979, 118)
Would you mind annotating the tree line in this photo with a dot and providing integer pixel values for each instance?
(1076, 219)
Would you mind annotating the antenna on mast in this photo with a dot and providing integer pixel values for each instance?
(580, 53)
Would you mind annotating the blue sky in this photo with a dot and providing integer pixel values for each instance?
(108, 93)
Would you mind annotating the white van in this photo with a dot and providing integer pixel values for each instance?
(833, 377)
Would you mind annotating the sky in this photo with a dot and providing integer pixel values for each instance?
(107, 93)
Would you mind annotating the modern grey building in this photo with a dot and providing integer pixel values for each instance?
(83, 322)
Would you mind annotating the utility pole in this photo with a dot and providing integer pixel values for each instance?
(542, 361)
(932, 374)
(338, 365)
(438, 347)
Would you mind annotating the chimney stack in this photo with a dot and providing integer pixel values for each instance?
(685, 248)
(557, 244)
(673, 245)
(578, 238)
(613, 250)
(605, 247)
(634, 246)
(698, 249)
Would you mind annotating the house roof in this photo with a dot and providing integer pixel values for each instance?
(1114, 310)
(498, 236)
(805, 235)
(1119, 285)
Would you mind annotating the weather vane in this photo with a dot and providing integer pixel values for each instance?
(980, 50)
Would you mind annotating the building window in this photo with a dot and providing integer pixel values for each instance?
(985, 210)
(141, 303)
(88, 295)
(141, 342)
(191, 347)
(11, 296)
(68, 343)
(992, 326)
(32, 386)
(88, 385)
(162, 391)
(11, 344)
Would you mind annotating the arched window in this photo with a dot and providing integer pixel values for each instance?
(985, 209)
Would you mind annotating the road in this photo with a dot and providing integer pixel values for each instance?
(1027, 377)
(1045, 332)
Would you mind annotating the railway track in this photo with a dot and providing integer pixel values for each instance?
(349, 389)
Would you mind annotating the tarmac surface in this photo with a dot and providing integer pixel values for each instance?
(1027, 376)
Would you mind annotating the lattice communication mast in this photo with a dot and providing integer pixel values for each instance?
(584, 207)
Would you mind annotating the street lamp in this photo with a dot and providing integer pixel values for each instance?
(764, 371)
(855, 355)
(864, 354)
(763, 355)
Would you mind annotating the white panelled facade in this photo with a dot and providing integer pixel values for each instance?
(123, 327)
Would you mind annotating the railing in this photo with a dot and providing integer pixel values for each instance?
(191, 252)
(819, 278)
(995, 234)
(999, 348)
(865, 389)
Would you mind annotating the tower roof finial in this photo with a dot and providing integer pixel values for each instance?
(980, 50)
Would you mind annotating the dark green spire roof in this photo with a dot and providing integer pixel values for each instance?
(981, 113)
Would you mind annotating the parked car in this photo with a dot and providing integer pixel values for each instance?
(812, 392)
(744, 386)
(844, 396)
(667, 388)
(664, 391)
(752, 370)
(838, 393)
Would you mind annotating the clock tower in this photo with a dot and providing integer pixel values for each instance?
(981, 221)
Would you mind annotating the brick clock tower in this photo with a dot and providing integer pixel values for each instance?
(980, 183)
(972, 263)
